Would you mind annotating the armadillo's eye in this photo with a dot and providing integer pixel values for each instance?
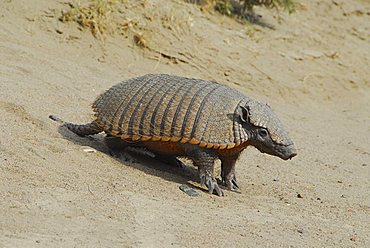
(263, 133)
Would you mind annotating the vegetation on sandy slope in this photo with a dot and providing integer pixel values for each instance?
(245, 8)
(94, 16)
(104, 17)
(286, 5)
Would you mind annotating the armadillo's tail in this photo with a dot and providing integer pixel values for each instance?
(81, 130)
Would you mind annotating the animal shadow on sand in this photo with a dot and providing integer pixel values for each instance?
(139, 159)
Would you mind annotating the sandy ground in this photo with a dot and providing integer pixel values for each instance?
(313, 68)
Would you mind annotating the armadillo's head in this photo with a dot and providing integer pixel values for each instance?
(265, 131)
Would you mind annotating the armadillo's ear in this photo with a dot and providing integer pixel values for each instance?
(244, 114)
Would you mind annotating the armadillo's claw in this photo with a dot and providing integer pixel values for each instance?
(114, 153)
(235, 183)
(232, 184)
(211, 184)
(229, 180)
(180, 164)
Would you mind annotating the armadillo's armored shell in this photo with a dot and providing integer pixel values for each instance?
(171, 108)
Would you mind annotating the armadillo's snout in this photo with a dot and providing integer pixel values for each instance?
(293, 155)
(291, 152)
(284, 152)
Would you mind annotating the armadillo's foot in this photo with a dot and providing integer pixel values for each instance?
(172, 160)
(127, 157)
(179, 164)
(211, 184)
(122, 155)
(231, 184)
(114, 153)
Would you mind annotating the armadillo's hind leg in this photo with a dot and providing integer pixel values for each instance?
(118, 148)
(85, 129)
(116, 145)
(171, 160)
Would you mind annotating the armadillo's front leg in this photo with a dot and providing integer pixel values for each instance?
(228, 172)
(204, 160)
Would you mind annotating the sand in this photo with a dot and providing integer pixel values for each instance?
(59, 190)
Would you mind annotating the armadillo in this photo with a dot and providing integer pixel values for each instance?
(174, 116)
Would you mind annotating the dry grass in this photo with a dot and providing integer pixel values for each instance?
(140, 21)
(95, 16)
(135, 20)
(141, 40)
(106, 17)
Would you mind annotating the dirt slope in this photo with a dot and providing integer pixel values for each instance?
(313, 68)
